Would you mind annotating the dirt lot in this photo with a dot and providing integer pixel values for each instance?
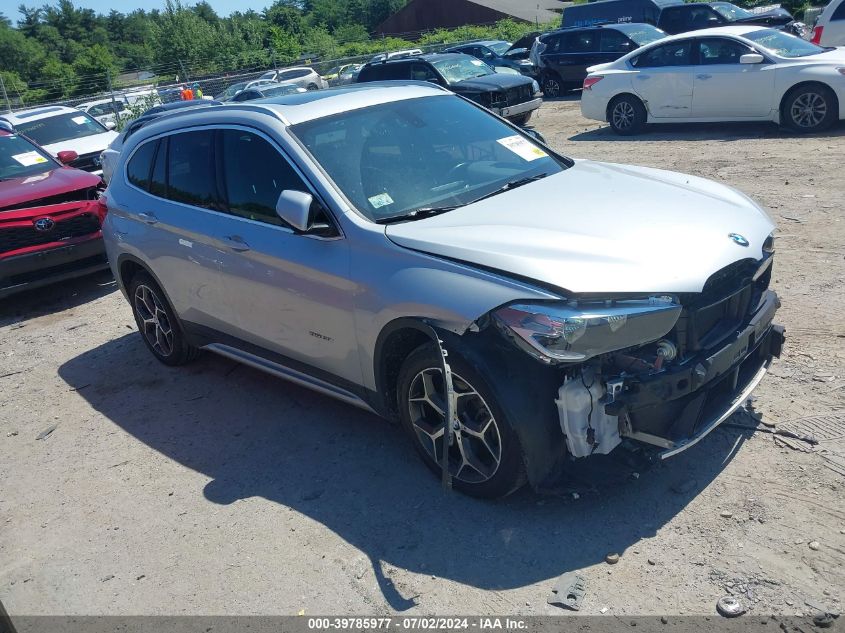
(216, 489)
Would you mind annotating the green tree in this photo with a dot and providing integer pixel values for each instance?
(93, 66)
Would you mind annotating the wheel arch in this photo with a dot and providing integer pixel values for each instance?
(624, 93)
(802, 84)
(128, 266)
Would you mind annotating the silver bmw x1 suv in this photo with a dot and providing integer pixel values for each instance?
(404, 250)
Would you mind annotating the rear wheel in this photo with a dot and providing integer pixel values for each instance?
(552, 85)
(809, 108)
(313, 87)
(485, 459)
(626, 115)
(157, 323)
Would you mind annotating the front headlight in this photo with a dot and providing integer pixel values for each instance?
(574, 332)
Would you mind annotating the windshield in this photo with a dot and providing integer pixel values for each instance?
(643, 34)
(438, 151)
(782, 44)
(279, 90)
(232, 90)
(731, 11)
(455, 69)
(500, 48)
(20, 158)
(62, 127)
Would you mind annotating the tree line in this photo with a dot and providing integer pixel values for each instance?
(62, 51)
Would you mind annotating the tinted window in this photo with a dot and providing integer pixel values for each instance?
(423, 72)
(553, 43)
(190, 169)
(379, 72)
(255, 174)
(581, 42)
(158, 181)
(140, 165)
(674, 54)
(720, 51)
(614, 42)
(839, 14)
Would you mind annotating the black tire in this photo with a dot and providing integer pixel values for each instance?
(809, 108)
(521, 119)
(480, 414)
(626, 115)
(552, 85)
(159, 328)
(313, 87)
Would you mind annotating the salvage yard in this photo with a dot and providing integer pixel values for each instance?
(134, 488)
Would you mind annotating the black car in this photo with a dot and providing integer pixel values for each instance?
(564, 55)
(674, 17)
(512, 96)
(264, 91)
(496, 53)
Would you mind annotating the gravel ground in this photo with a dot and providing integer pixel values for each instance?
(215, 489)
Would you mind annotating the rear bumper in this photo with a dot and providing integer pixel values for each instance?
(519, 108)
(40, 268)
(676, 409)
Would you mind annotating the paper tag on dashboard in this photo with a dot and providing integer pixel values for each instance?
(79, 120)
(522, 147)
(27, 159)
(381, 200)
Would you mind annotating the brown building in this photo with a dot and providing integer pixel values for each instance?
(426, 15)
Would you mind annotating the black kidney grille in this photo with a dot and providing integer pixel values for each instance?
(21, 237)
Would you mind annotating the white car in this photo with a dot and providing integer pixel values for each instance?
(406, 53)
(106, 111)
(59, 128)
(829, 29)
(730, 73)
(302, 76)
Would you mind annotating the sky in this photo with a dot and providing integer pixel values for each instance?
(222, 7)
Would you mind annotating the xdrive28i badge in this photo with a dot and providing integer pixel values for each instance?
(738, 239)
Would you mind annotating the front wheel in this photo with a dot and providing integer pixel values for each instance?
(810, 108)
(313, 87)
(552, 85)
(626, 115)
(485, 458)
(521, 119)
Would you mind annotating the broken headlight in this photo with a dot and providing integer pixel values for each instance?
(573, 332)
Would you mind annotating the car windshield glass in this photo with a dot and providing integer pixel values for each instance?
(731, 11)
(455, 69)
(20, 158)
(62, 127)
(643, 34)
(783, 44)
(431, 153)
(279, 90)
(232, 90)
(499, 47)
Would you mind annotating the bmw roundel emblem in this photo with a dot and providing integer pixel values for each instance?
(738, 239)
(44, 224)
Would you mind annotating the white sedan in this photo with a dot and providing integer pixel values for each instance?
(730, 73)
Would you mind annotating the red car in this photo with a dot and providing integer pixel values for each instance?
(50, 216)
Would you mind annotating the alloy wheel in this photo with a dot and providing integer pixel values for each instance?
(476, 449)
(623, 115)
(809, 110)
(155, 324)
(551, 87)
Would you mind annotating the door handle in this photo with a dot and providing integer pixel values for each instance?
(147, 218)
(704, 76)
(236, 243)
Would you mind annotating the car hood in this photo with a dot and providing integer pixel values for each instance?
(599, 227)
(17, 191)
(490, 83)
(83, 145)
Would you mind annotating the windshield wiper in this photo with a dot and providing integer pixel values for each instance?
(511, 184)
(416, 214)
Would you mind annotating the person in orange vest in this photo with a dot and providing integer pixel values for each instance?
(187, 94)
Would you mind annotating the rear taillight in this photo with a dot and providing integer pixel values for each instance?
(589, 82)
(817, 35)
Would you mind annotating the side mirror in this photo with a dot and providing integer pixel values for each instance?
(751, 58)
(66, 157)
(110, 125)
(294, 207)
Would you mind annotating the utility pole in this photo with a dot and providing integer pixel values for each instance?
(5, 96)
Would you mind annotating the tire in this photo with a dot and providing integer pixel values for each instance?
(521, 119)
(809, 108)
(313, 87)
(552, 85)
(626, 115)
(488, 468)
(157, 324)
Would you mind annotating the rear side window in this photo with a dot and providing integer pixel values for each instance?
(580, 42)
(381, 72)
(190, 169)
(674, 54)
(615, 42)
(141, 164)
(255, 173)
(423, 72)
(839, 13)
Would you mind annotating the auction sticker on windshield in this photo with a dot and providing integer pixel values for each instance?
(521, 147)
(381, 200)
(79, 120)
(27, 159)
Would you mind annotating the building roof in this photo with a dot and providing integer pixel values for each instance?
(527, 10)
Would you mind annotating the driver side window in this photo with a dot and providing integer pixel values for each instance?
(715, 50)
(674, 54)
